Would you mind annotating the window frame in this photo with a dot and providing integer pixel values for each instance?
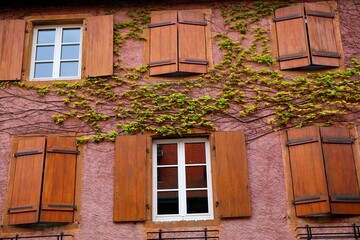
(182, 184)
(57, 52)
(6, 227)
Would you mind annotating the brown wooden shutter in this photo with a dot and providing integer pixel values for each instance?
(232, 174)
(163, 43)
(99, 46)
(130, 178)
(342, 180)
(12, 34)
(192, 44)
(291, 37)
(307, 171)
(322, 35)
(26, 186)
(58, 197)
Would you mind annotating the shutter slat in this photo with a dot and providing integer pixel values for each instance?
(26, 190)
(291, 37)
(307, 172)
(232, 174)
(192, 42)
(340, 170)
(163, 44)
(130, 178)
(99, 46)
(321, 34)
(59, 180)
(12, 34)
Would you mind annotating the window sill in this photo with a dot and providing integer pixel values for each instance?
(182, 223)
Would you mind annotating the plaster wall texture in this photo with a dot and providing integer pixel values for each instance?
(265, 165)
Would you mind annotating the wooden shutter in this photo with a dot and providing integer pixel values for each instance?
(322, 35)
(291, 37)
(99, 46)
(163, 43)
(26, 185)
(130, 178)
(307, 171)
(12, 34)
(192, 44)
(341, 174)
(232, 174)
(58, 197)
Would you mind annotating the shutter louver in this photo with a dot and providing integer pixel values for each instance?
(307, 171)
(321, 32)
(231, 166)
(130, 178)
(99, 46)
(58, 197)
(340, 168)
(12, 34)
(163, 44)
(292, 37)
(192, 45)
(26, 190)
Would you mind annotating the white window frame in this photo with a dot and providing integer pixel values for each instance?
(57, 52)
(182, 181)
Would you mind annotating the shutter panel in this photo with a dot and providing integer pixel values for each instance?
(231, 166)
(58, 197)
(307, 171)
(322, 35)
(26, 189)
(12, 34)
(163, 43)
(99, 46)
(340, 170)
(291, 37)
(192, 42)
(130, 178)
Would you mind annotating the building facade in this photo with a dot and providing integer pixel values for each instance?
(182, 120)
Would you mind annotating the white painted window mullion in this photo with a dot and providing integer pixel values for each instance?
(57, 53)
(182, 180)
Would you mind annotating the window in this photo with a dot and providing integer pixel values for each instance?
(324, 166)
(56, 52)
(177, 43)
(182, 180)
(173, 179)
(57, 46)
(42, 181)
(306, 37)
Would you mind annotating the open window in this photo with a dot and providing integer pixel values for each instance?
(324, 171)
(177, 43)
(181, 179)
(54, 47)
(306, 37)
(42, 181)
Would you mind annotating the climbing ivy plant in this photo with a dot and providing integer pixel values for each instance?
(242, 88)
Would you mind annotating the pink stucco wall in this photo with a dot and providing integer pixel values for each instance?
(265, 163)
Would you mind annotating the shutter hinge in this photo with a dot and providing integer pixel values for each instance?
(307, 199)
(292, 56)
(217, 203)
(147, 150)
(25, 153)
(300, 141)
(65, 151)
(288, 17)
(214, 147)
(148, 206)
(18, 208)
(338, 140)
(62, 206)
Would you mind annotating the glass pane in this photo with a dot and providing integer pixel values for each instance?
(43, 70)
(167, 154)
(69, 69)
(71, 35)
(196, 177)
(197, 202)
(168, 203)
(46, 36)
(194, 153)
(44, 53)
(167, 178)
(70, 52)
